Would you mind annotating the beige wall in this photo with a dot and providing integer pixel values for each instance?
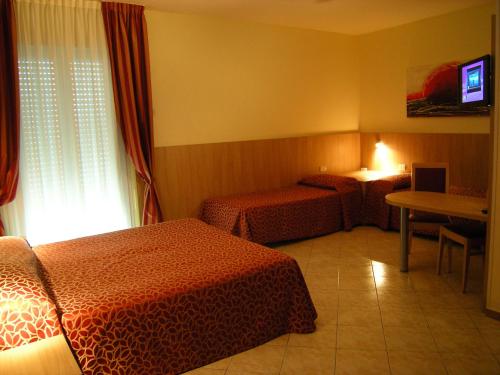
(386, 55)
(216, 80)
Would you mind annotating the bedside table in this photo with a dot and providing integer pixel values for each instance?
(370, 175)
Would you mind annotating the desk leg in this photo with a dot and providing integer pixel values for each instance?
(404, 239)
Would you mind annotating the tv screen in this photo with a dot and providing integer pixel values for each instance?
(474, 82)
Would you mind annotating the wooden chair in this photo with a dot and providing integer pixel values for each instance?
(471, 236)
(428, 177)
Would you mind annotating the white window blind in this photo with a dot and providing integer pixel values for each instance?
(75, 177)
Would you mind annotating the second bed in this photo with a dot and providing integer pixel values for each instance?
(318, 205)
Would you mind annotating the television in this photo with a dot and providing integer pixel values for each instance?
(474, 78)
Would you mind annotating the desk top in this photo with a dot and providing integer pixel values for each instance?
(370, 175)
(440, 203)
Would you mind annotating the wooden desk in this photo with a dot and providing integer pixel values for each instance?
(440, 203)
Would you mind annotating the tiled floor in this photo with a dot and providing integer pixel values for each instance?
(374, 319)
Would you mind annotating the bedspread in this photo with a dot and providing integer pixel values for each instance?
(167, 298)
(349, 189)
(375, 210)
(276, 215)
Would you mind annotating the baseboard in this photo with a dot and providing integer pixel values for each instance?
(492, 314)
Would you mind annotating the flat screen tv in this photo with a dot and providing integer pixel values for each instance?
(474, 78)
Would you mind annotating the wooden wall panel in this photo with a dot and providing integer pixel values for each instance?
(186, 175)
(467, 154)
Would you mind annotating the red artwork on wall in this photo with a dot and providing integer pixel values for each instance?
(433, 91)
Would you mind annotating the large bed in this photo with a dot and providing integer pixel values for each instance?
(317, 205)
(167, 298)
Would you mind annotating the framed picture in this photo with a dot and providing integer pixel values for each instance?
(432, 90)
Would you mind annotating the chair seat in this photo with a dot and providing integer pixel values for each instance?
(470, 235)
(427, 217)
(472, 230)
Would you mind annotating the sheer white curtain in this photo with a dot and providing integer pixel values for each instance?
(75, 177)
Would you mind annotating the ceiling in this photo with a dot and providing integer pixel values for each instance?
(343, 16)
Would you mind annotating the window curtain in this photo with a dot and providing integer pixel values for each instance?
(127, 42)
(9, 107)
(74, 178)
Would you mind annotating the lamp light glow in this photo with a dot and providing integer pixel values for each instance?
(383, 157)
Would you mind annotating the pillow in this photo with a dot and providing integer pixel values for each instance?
(324, 181)
(27, 312)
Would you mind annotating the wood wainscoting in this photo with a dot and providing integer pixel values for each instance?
(186, 175)
(467, 154)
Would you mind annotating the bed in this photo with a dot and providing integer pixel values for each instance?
(375, 210)
(167, 298)
(317, 205)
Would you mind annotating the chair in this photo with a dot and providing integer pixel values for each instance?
(432, 177)
(471, 236)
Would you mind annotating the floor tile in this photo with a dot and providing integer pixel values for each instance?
(470, 300)
(205, 371)
(324, 299)
(448, 319)
(393, 283)
(492, 338)
(353, 316)
(459, 341)
(403, 300)
(409, 339)
(355, 270)
(360, 299)
(470, 364)
(354, 260)
(321, 338)
(482, 321)
(222, 364)
(262, 359)
(298, 249)
(279, 341)
(327, 318)
(421, 318)
(427, 282)
(301, 361)
(361, 338)
(325, 284)
(322, 266)
(239, 372)
(356, 282)
(439, 301)
(394, 317)
(361, 362)
(381, 269)
(416, 363)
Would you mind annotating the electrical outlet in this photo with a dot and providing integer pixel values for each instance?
(323, 168)
(402, 167)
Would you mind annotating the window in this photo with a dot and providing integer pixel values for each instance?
(74, 173)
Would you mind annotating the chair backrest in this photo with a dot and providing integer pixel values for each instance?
(430, 177)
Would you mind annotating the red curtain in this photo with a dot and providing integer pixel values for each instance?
(9, 106)
(127, 40)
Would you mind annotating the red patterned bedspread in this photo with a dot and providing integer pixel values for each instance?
(166, 298)
(276, 215)
(375, 210)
